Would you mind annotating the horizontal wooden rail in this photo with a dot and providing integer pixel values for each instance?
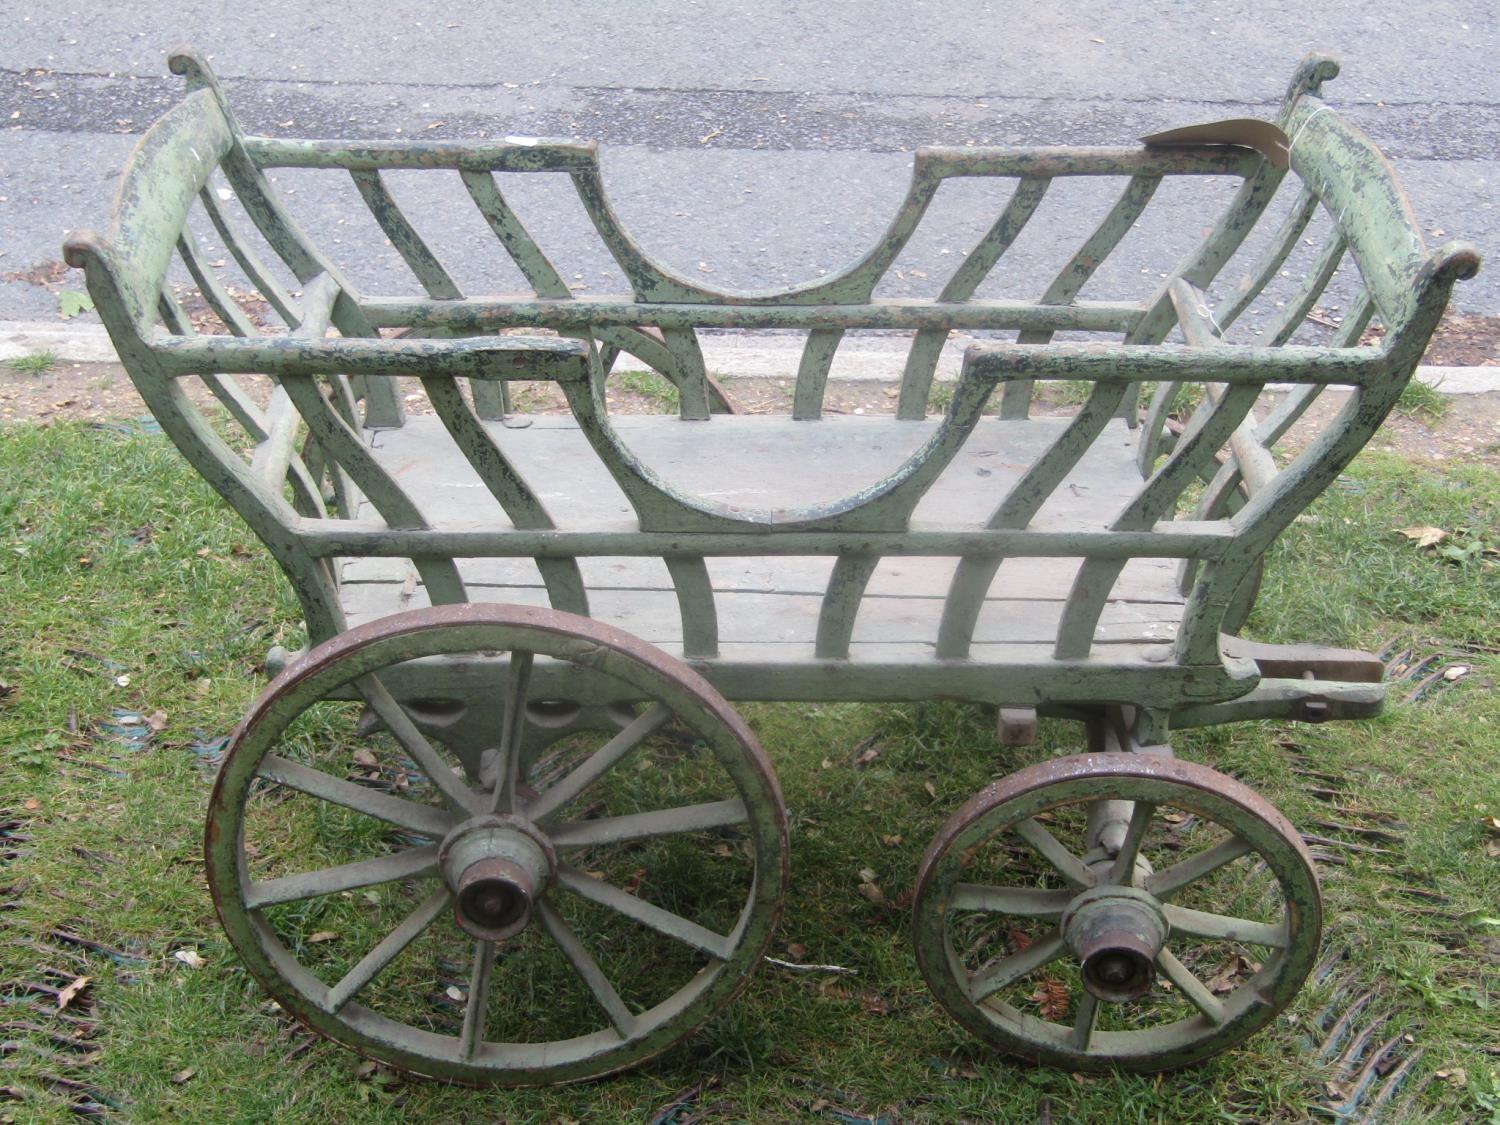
(487, 357)
(485, 313)
(1166, 540)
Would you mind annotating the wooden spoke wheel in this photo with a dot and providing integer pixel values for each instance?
(1126, 911)
(575, 915)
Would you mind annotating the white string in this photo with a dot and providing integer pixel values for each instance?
(1204, 310)
(1298, 136)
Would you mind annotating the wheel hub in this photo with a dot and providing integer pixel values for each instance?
(1116, 933)
(497, 868)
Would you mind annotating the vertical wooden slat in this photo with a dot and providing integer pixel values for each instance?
(695, 604)
(1015, 402)
(691, 372)
(812, 372)
(921, 361)
(841, 602)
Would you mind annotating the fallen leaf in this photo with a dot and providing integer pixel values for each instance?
(1458, 671)
(867, 757)
(363, 757)
(122, 681)
(1492, 849)
(322, 936)
(797, 951)
(931, 789)
(827, 763)
(183, 1075)
(866, 875)
(189, 957)
(873, 893)
(1457, 1075)
(892, 841)
(32, 804)
(455, 993)
(1424, 536)
(1052, 999)
(67, 995)
(1492, 823)
(157, 720)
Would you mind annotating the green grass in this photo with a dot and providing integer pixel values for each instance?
(129, 586)
(37, 363)
(653, 387)
(1422, 399)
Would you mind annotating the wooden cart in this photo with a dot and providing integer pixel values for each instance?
(560, 850)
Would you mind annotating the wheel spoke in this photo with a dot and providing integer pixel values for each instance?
(639, 910)
(410, 864)
(1123, 871)
(1168, 881)
(390, 946)
(421, 819)
(600, 762)
(1022, 902)
(588, 971)
(1083, 1025)
(508, 765)
(477, 1007)
(1198, 923)
(394, 716)
(1041, 952)
(1190, 986)
(661, 822)
(1064, 862)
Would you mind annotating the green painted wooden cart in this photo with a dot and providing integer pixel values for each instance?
(506, 775)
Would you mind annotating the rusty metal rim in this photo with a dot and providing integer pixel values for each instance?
(1095, 777)
(492, 627)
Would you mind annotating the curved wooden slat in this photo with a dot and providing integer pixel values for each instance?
(841, 602)
(564, 581)
(1015, 401)
(1194, 451)
(1282, 243)
(695, 603)
(975, 574)
(250, 263)
(921, 361)
(812, 372)
(343, 445)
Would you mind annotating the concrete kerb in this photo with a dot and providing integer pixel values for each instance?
(728, 354)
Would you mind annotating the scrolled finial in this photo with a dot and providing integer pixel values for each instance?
(1314, 70)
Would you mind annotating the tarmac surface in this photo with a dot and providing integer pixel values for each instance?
(745, 145)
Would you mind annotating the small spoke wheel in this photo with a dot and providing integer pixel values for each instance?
(1128, 911)
(563, 918)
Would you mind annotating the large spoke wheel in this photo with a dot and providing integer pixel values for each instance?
(1116, 910)
(563, 918)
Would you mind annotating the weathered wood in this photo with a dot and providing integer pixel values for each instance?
(1016, 400)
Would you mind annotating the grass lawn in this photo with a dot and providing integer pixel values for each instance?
(137, 611)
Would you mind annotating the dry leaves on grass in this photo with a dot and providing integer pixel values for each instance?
(1424, 536)
(70, 992)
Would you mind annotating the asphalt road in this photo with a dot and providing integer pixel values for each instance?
(744, 144)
